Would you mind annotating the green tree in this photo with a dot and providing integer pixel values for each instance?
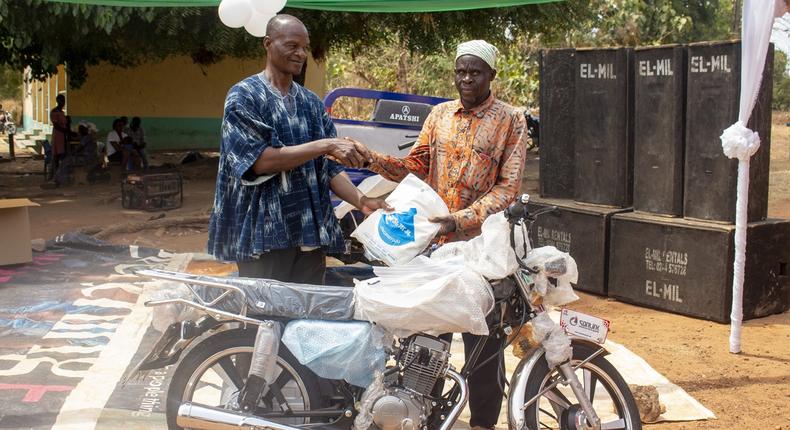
(781, 99)
(10, 83)
(606, 23)
(43, 34)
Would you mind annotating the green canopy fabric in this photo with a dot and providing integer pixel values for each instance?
(334, 5)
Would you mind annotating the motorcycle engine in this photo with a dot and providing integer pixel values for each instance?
(423, 360)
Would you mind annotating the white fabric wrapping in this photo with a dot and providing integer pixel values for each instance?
(739, 142)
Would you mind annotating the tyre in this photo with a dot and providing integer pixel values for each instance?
(558, 408)
(214, 371)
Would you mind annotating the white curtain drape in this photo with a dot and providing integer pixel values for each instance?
(739, 142)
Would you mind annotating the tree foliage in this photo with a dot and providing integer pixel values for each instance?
(10, 83)
(781, 99)
(601, 23)
(43, 34)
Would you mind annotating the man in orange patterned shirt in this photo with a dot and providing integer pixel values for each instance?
(472, 152)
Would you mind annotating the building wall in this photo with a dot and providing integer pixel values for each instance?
(180, 103)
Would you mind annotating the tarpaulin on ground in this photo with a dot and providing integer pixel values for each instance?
(334, 5)
(72, 322)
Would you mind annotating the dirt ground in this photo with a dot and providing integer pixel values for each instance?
(750, 390)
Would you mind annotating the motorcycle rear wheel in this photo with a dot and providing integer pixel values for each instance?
(213, 372)
(556, 409)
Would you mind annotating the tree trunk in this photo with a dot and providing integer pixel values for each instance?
(737, 9)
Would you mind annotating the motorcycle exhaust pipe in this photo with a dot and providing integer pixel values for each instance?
(201, 417)
(455, 412)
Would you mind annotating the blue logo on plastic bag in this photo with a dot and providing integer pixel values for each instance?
(397, 228)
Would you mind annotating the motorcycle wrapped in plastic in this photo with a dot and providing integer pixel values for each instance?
(269, 354)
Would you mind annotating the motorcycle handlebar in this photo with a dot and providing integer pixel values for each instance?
(515, 214)
(517, 211)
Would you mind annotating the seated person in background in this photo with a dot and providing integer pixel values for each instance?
(113, 149)
(83, 155)
(87, 149)
(138, 135)
(125, 120)
(131, 158)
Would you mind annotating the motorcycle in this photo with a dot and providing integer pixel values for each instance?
(7, 124)
(235, 376)
(533, 130)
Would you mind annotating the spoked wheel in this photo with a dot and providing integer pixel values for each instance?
(558, 408)
(214, 372)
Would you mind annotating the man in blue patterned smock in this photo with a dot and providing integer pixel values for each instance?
(272, 210)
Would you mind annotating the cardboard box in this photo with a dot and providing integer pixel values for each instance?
(15, 231)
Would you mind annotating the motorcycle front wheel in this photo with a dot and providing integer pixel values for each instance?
(558, 408)
(215, 370)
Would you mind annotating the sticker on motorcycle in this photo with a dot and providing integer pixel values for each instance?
(584, 326)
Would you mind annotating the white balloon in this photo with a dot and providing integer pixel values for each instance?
(235, 13)
(268, 7)
(257, 23)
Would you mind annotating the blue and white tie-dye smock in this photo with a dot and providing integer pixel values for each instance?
(289, 209)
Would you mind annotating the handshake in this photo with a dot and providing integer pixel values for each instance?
(348, 152)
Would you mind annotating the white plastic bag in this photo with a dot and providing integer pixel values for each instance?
(456, 302)
(399, 236)
(489, 254)
(552, 338)
(551, 262)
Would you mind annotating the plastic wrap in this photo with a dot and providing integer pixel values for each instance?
(164, 315)
(373, 392)
(554, 263)
(353, 350)
(490, 253)
(552, 338)
(264, 355)
(455, 302)
(280, 299)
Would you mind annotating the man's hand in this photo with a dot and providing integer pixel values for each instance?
(348, 152)
(446, 224)
(369, 205)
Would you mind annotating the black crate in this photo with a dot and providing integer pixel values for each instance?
(580, 230)
(152, 191)
(714, 73)
(659, 129)
(686, 267)
(604, 127)
(557, 67)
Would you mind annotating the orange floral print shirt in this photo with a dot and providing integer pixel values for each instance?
(472, 158)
